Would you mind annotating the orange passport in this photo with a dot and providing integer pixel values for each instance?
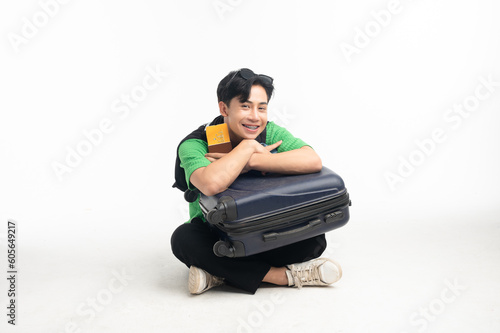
(218, 139)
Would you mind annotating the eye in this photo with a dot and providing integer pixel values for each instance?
(263, 109)
(245, 106)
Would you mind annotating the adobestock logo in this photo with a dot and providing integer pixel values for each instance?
(281, 116)
(263, 309)
(363, 37)
(454, 116)
(40, 19)
(429, 313)
(223, 6)
(93, 305)
(121, 106)
(332, 247)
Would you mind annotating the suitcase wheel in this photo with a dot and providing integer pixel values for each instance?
(223, 249)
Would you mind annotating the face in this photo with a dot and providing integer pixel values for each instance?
(248, 119)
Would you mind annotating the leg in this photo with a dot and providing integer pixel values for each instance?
(192, 244)
(294, 253)
(299, 267)
(277, 276)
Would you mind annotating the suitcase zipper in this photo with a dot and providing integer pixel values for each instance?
(284, 219)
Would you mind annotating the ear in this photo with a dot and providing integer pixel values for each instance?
(223, 109)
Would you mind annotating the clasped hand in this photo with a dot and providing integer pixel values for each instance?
(247, 144)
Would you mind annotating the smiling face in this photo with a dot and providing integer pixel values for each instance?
(246, 120)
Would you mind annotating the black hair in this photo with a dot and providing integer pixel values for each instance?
(240, 87)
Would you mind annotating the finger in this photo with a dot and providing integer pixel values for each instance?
(211, 159)
(274, 145)
(215, 155)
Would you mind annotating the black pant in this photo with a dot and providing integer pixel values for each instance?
(192, 243)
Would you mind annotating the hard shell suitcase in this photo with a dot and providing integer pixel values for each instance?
(259, 213)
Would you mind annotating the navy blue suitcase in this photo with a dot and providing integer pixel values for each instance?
(259, 213)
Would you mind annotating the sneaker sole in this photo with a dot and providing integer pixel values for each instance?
(194, 280)
(338, 267)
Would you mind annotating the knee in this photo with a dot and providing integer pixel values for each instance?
(318, 246)
(179, 238)
(321, 239)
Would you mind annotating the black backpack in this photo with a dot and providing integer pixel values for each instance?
(200, 134)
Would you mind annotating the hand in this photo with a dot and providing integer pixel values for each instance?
(261, 150)
(273, 146)
(256, 147)
(212, 157)
(247, 144)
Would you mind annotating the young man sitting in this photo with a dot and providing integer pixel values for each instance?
(243, 104)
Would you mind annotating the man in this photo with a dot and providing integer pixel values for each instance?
(243, 102)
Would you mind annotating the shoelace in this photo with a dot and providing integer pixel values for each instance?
(305, 275)
(213, 281)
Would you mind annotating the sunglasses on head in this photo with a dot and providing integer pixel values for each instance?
(246, 74)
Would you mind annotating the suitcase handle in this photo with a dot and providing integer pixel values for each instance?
(272, 236)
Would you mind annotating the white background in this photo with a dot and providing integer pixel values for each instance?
(362, 113)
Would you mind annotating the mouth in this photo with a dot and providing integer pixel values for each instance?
(252, 128)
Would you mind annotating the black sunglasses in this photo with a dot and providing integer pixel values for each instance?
(246, 74)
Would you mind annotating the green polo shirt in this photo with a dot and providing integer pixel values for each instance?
(192, 156)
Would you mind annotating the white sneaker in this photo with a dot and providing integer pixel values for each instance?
(316, 272)
(200, 281)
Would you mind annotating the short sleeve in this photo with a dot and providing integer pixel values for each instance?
(276, 133)
(192, 156)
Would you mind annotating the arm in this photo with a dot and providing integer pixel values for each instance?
(297, 161)
(218, 175)
(294, 155)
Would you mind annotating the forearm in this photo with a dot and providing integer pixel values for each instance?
(298, 161)
(218, 175)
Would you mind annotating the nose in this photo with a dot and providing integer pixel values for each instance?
(253, 114)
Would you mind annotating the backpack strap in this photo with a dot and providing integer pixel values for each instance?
(200, 134)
